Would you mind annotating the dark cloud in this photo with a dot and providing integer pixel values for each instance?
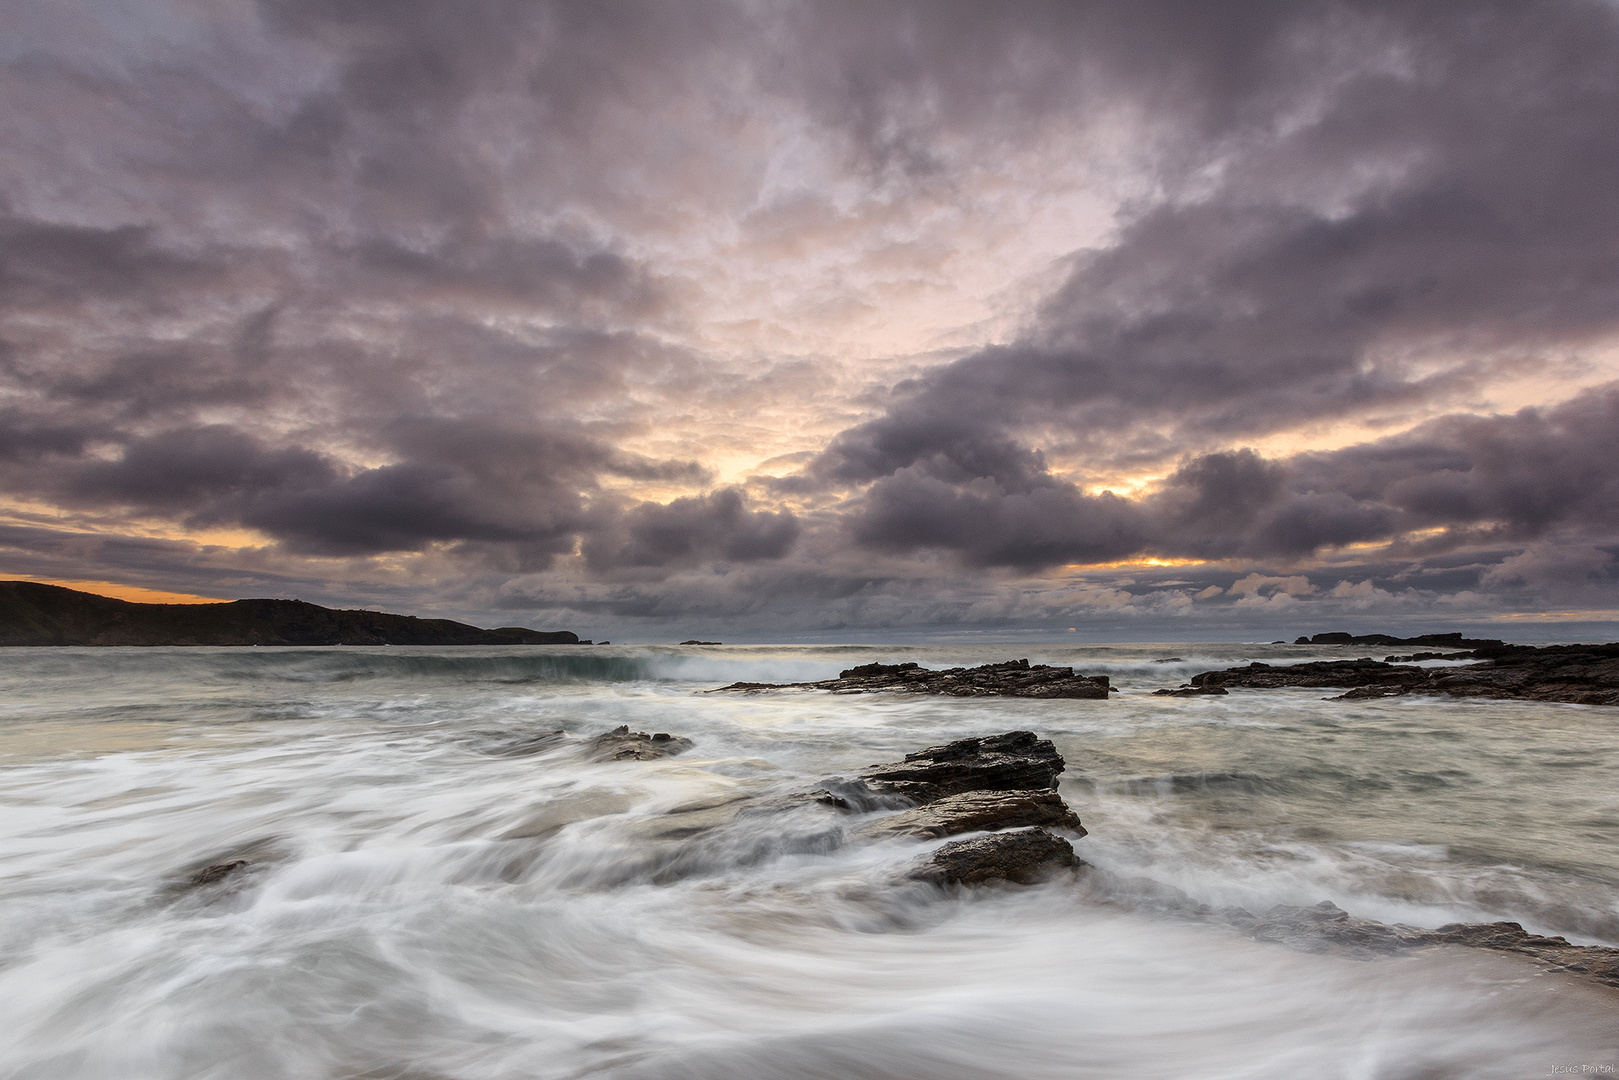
(425, 284)
(1374, 232)
(719, 525)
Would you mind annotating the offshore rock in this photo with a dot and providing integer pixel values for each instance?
(976, 811)
(1322, 673)
(1192, 691)
(1015, 761)
(1024, 857)
(622, 744)
(1443, 641)
(1577, 674)
(1014, 678)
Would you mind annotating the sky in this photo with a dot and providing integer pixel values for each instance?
(769, 321)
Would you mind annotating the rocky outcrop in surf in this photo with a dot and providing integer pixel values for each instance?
(1577, 674)
(622, 744)
(1023, 857)
(1014, 678)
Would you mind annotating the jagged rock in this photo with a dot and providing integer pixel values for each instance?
(1015, 761)
(1014, 678)
(1192, 691)
(622, 744)
(1578, 674)
(1323, 673)
(1024, 856)
(976, 811)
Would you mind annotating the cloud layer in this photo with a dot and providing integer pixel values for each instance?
(889, 318)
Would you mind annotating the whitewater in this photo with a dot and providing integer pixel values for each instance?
(436, 891)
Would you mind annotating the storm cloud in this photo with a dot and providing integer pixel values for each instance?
(896, 316)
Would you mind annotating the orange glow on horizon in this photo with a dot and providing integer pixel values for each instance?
(135, 594)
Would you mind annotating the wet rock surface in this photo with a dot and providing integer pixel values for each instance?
(1015, 761)
(1024, 857)
(1014, 678)
(1577, 674)
(622, 744)
(976, 811)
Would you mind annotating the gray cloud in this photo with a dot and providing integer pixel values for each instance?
(429, 280)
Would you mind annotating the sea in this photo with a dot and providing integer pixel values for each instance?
(435, 888)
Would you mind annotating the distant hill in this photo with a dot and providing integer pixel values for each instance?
(36, 614)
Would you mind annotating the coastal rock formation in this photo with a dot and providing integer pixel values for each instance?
(622, 744)
(1578, 674)
(1014, 678)
(1342, 674)
(1025, 856)
(1015, 761)
(976, 811)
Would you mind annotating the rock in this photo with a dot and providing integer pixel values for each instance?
(1015, 761)
(622, 744)
(1319, 673)
(1578, 674)
(1025, 856)
(1192, 691)
(1169, 660)
(696, 642)
(1014, 678)
(976, 811)
(1328, 928)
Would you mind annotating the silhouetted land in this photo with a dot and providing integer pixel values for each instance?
(36, 614)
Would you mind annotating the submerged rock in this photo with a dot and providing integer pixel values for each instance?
(1328, 928)
(1014, 678)
(1192, 691)
(622, 744)
(1024, 857)
(216, 872)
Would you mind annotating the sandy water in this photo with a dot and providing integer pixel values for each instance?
(434, 895)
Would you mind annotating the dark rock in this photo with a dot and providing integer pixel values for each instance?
(622, 744)
(1328, 928)
(1578, 674)
(1319, 673)
(1015, 761)
(695, 642)
(976, 811)
(1415, 657)
(1025, 856)
(1014, 678)
(1169, 660)
(1192, 691)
